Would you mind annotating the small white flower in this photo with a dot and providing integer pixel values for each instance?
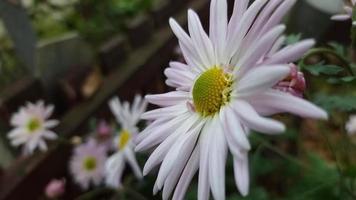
(127, 118)
(87, 164)
(351, 125)
(225, 89)
(348, 7)
(32, 127)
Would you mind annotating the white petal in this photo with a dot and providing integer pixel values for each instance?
(341, 17)
(257, 51)
(237, 32)
(186, 45)
(242, 177)
(131, 159)
(218, 28)
(201, 40)
(161, 133)
(290, 53)
(50, 135)
(160, 152)
(235, 135)
(187, 175)
(217, 161)
(203, 181)
(253, 121)
(184, 143)
(168, 99)
(281, 101)
(171, 111)
(51, 123)
(261, 78)
(114, 168)
(148, 130)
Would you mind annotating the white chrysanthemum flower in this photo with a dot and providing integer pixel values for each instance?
(224, 90)
(32, 127)
(351, 125)
(87, 164)
(127, 118)
(348, 7)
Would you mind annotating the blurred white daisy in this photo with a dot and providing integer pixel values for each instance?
(348, 7)
(351, 125)
(127, 118)
(223, 91)
(32, 127)
(87, 164)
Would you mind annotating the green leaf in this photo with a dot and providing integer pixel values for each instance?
(335, 102)
(338, 48)
(293, 38)
(319, 69)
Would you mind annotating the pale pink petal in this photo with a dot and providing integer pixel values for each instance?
(217, 161)
(341, 17)
(242, 177)
(131, 159)
(187, 175)
(274, 99)
(203, 180)
(252, 120)
(201, 40)
(259, 79)
(171, 111)
(168, 99)
(218, 28)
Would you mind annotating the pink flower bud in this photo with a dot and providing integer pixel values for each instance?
(55, 188)
(294, 83)
(104, 130)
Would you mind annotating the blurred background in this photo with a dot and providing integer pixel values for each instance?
(77, 54)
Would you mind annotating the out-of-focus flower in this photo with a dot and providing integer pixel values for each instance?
(127, 118)
(32, 126)
(348, 7)
(55, 188)
(76, 140)
(351, 125)
(87, 164)
(294, 83)
(221, 93)
(104, 129)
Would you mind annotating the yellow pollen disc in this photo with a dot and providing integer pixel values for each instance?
(211, 91)
(124, 138)
(89, 163)
(33, 124)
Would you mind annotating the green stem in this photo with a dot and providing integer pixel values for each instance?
(343, 60)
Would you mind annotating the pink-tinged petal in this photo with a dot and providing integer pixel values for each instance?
(341, 17)
(217, 161)
(160, 152)
(235, 135)
(161, 133)
(259, 79)
(218, 28)
(203, 180)
(277, 16)
(201, 40)
(184, 144)
(276, 46)
(240, 7)
(131, 159)
(149, 130)
(274, 99)
(186, 45)
(42, 145)
(190, 169)
(258, 24)
(115, 163)
(184, 76)
(48, 111)
(256, 51)
(50, 135)
(51, 123)
(290, 53)
(168, 99)
(241, 172)
(238, 31)
(252, 120)
(171, 111)
(178, 66)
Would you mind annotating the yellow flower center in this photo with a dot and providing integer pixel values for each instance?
(33, 125)
(124, 138)
(211, 91)
(89, 163)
